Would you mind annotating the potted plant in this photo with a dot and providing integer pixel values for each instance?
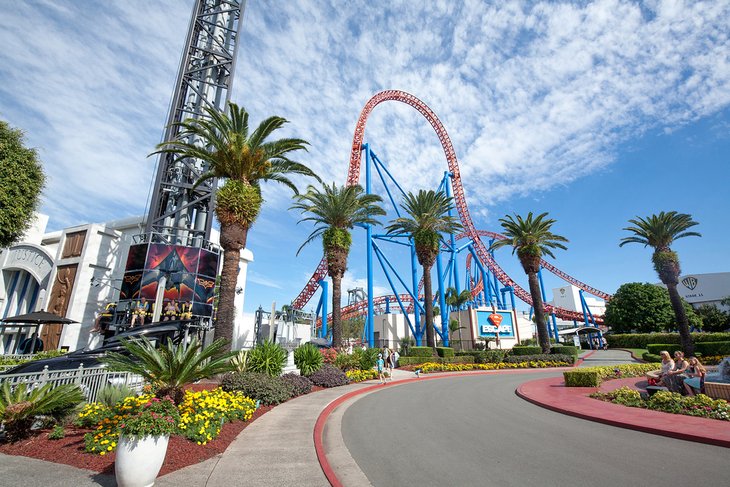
(143, 442)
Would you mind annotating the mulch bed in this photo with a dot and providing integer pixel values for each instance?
(181, 452)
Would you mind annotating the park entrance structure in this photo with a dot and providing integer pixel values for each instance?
(488, 286)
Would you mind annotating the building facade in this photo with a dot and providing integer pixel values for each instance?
(73, 273)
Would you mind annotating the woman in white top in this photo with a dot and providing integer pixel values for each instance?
(667, 365)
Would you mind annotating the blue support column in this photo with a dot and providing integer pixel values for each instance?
(414, 279)
(369, 324)
(323, 301)
(442, 303)
(452, 238)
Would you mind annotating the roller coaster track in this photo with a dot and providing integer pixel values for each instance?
(470, 231)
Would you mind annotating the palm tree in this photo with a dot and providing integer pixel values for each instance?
(243, 159)
(456, 301)
(659, 231)
(531, 238)
(172, 366)
(427, 218)
(335, 210)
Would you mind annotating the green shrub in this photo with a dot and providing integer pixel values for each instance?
(650, 357)
(57, 433)
(346, 361)
(299, 384)
(565, 350)
(308, 359)
(420, 352)
(239, 362)
(581, 378)
(367, 358)
(109, 395)
(20, 405)
(585, 377)
(641, 340)
(444, 351)
(485, 356)
(414, 360)
(520, 350)
(540, 357)
(655, 348)
(268, 358)
(258, 385)
(461, 359)
(713, 348)
(529, 342)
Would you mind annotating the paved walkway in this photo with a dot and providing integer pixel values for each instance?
(276, 449)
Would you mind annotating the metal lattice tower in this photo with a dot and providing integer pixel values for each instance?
(179, 215)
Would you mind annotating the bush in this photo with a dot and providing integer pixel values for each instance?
(299, 385)
(670, 402)
(564, 350)
(485, 356)
(420, 352)
(346, 361)
(256, 385)
(268, 358)
(57, 433)
(308, 359)
(655, 348)
(329, 355)
(444, 351)
(203, 413)
(650, 357)
(540, 357)
(367, 358)
(109, 395)
(520, 350)
(461, 359)
(641, 340)
(328, 376)
(593, 376)
(713, 348)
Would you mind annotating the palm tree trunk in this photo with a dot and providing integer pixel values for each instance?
(682, 322)
(458, 316)
(543, 337)
(336, 312)
(233, 239)
(428, 296)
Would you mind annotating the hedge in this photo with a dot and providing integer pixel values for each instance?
(540, 357)
(521, 350)
(565, 350)
(484, 356)
(420, 352)
(462, 359)
(641, 340)
(713, 348)
(444, 351)
(650, 357)
(655, 348)
(593, 376)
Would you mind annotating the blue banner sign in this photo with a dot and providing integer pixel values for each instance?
(488, 324)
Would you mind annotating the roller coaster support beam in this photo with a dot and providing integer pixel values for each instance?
(452, 238)
(322, 306)
(442, 302)
(544, 300)
(487, 288)
(512, 296)
(383, 261)
(370, 321)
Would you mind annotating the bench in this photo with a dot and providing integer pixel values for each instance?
(717, 390)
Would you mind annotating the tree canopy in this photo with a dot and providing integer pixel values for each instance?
(21, 183)
(643, 308)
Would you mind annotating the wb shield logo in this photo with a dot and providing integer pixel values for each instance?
(690, 282)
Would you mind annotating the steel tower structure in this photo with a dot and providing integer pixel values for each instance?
(179, 214)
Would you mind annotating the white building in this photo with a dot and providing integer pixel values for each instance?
(73, 272)
(701, 289)
(568, 297)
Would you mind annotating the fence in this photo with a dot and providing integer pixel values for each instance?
(90, 380)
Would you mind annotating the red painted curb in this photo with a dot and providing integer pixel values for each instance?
(327, 411)
(576, 403)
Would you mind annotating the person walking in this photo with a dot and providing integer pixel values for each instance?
(386, 357)
(381, 365)
(392, 361)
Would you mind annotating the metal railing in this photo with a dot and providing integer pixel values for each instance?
(91, 380)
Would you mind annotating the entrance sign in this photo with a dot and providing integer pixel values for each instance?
(489, 323)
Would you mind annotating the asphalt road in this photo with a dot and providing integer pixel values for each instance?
(474, 430)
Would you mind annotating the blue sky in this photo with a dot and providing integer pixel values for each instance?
(595, 113)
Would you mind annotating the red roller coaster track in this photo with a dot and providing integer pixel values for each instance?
(470, 231)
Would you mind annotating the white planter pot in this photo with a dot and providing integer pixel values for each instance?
(139, 460)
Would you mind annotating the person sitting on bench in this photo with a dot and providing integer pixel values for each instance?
(667, 366)
(695, 377)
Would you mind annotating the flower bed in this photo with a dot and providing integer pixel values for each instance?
(202, 414)
(669, 402)
(361, 375)
(540, 364)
